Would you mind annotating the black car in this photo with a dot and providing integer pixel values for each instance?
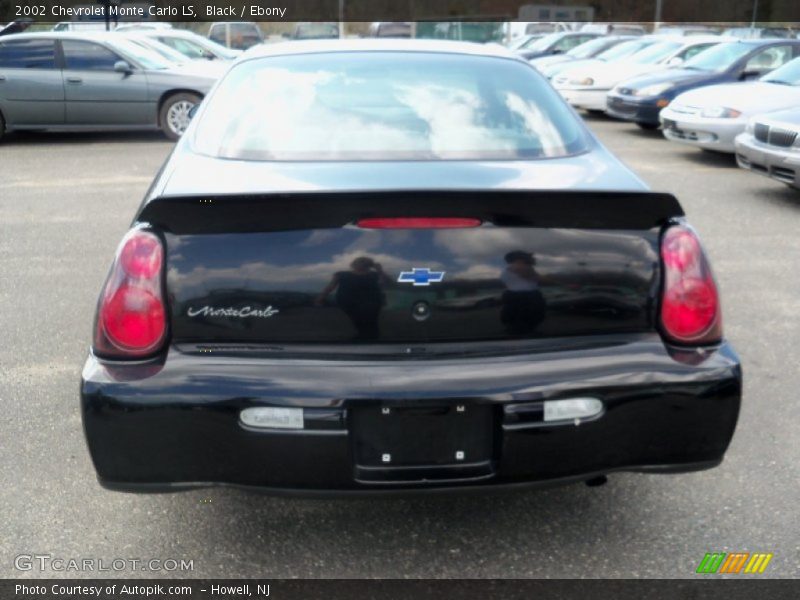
(381, 265)
(641, 99)
(555, 43)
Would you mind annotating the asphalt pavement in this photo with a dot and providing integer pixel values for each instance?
(65, 202)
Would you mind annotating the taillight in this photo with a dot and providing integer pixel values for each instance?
(690, 311)
(418, 223)
(131, 316)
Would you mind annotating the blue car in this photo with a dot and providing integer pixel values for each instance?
(641, 99)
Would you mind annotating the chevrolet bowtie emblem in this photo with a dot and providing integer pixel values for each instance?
(418, 276)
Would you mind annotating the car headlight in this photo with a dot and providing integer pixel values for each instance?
(720, 112)
(583, 81)
(653, 90)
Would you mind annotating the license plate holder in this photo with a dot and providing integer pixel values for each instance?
(422, 435)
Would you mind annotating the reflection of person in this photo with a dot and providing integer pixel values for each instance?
(359, 295)
(523, 303)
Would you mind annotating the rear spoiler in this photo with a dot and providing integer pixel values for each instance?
(322, 210)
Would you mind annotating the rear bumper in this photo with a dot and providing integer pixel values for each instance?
(628, 108)
(780, 164)
(175, 424)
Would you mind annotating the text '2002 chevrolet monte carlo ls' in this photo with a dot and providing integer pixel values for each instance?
(402, 265)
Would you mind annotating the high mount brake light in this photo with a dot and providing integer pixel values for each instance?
(131, 316)
(418, 223)
(690, 311)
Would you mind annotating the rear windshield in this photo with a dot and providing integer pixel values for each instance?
(386, 106)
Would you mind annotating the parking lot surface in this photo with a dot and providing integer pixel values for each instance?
(66, 200)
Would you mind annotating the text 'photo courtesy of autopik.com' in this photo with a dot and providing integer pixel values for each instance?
(327, 299)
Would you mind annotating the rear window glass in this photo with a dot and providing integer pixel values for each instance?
(386, 106)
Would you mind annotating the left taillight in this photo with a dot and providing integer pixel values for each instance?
(131, 315)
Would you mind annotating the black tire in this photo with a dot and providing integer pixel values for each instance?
(2, 127)
(595, 112)
(173, 118)
(648, 126)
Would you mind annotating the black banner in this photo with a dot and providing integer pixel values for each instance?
(739, 11)
(335, 589)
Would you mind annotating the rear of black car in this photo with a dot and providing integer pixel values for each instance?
(401, 337)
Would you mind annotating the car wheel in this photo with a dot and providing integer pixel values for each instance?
(595, 112)
(2, 127)
(173, 118)
(648, 126)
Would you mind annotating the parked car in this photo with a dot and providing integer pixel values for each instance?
(685, 30)
(711, 117)
(239, 35)
(615, 53)
(193, 46)
(614, 28)
(555, 43)
(80, 26)
(316, 31)
(200, 66)
(390, 29)
(641, 99)
(145, 26)
(523, 41)
(271, 319)
(770, 146)
(64, 80)
(586, 87)
(759, 32)
(586, 50)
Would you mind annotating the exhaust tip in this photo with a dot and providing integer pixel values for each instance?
(596, 481)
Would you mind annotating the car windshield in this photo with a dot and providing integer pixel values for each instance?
(161, 49)
(655, 53)
(213, 47)
(788, 74)
(386, 106)
(544, 43)
(523, 41)
(588, 49)
(718, 58)
(624, 49)
(147, 58)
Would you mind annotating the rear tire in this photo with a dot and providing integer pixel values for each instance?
(173, 118)
(648, 126)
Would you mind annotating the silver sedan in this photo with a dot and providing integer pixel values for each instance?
(770, 146)
(64, 80)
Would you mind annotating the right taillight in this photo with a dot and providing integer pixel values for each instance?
(690, 311)
(131, 316)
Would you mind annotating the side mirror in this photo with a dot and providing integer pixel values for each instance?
(123, 67)
(557, 51)
(675, 61)
(750, 74)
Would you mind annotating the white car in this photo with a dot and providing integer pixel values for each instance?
(586, 87)
(711, 117)
(590, 49)
(618, 52)
(192, 45)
